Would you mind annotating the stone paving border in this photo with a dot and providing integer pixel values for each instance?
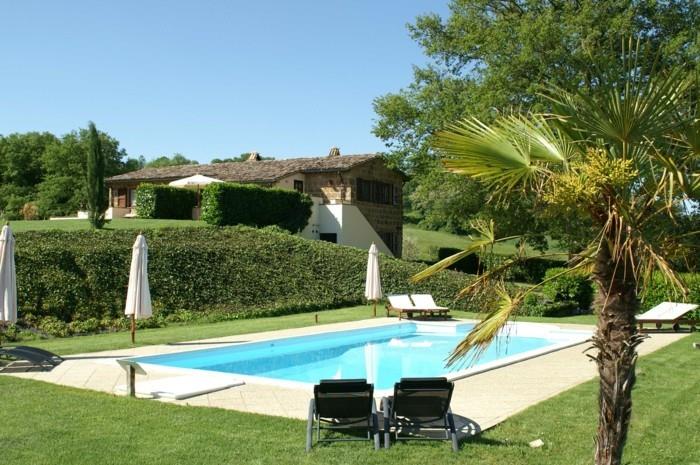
(479, 401)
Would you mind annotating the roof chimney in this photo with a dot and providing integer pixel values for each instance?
(335, 152)
(254, 156)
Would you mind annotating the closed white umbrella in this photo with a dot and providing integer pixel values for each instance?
(138, 296)
(373, 284)
(8, 278)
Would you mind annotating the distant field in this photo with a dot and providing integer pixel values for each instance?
(428, 242)
(121, 223)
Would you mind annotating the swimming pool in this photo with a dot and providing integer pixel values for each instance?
(381, 354)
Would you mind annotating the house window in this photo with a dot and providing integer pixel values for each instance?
(374, 191)
(299, 186)
(329, 237)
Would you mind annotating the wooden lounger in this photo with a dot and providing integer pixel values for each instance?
(402, 305)
(668, 313)
(426, 302)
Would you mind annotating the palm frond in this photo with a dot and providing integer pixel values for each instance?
(650, 260)
(485, 331)
(639, 110)
(498, 272)
(511, 152)
(486, 238)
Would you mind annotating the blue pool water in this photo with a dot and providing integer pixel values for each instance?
(383, 355)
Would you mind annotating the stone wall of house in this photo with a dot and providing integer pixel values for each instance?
(386, 219)
(287, 182)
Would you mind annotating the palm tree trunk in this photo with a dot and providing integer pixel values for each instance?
(616, 340)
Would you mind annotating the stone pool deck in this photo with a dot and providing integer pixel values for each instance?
(479, 401)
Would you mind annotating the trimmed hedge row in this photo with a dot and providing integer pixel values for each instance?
(165, 202)
(80, 276)
(659, 291)
(226, 204)
(569, 294)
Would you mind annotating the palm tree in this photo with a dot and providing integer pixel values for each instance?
(625, 158)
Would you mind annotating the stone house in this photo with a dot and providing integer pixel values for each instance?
(357, 199)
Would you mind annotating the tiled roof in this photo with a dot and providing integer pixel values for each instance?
(265, 171)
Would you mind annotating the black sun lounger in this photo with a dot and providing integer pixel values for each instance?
(419, 404)
(37, 358)
(342, 404)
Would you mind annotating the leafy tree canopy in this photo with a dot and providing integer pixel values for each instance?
(493, 55)
(50, 171)
(175, 160)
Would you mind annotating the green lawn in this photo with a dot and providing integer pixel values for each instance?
(428, 242)
(49, 424)
(193, 331)
(119, 223)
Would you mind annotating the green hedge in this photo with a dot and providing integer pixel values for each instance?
(570, 294)
(575, 287)
(226, 204)
(165, 202)
(660, 291)
(237, 271)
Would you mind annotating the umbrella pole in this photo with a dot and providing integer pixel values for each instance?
(133, 328)
(374, 307)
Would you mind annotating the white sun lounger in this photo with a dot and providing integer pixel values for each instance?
(426, 301)
(402, 304)
(668, 312)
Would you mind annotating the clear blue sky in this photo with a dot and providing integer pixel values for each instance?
(207, 78)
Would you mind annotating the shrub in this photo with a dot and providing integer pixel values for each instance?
(165, 202)
(533, 270)
(235, 272)
(575, 287)
(89, 325)
(659, 291)
(226, 204)
(470, 264)
(54, 327)
(9, 333)
(539, 305)
(30, 211)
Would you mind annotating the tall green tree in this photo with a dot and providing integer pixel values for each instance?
(63, 190)
(96, 192)
(51, 171)
(175, 160)
(20, 169)
(627, 159)
(490, 56)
